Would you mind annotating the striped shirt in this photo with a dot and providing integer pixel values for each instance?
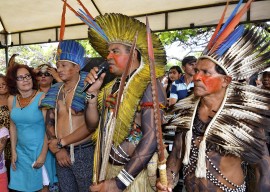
(180, 89)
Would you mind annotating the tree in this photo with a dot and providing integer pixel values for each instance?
(34, 55)
(192, 40)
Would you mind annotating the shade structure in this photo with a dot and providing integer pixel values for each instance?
(37, 21)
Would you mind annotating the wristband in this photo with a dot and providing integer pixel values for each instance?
(59, 144)
(89, 96)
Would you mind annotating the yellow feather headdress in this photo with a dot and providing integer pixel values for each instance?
(122, 29)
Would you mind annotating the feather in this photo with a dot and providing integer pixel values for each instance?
(230, 27)
(84, 8)
(233, 37)
(88, 19)
(63, 21)
(217, 28)
(230, 17)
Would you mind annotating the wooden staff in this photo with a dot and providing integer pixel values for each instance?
(157, 115)
(99, 144)
(111, 127)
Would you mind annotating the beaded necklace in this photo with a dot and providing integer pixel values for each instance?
(23, 102)
(209, 175)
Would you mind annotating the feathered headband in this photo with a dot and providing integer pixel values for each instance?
(239, 52)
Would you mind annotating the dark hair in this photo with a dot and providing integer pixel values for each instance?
(189, 59)
(219, 70)
(12, 75)
(177, 68)
(138, 53)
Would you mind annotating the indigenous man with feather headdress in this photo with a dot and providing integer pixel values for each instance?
(220, 138)
(134, 138)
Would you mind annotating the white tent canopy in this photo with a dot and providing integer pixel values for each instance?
(37, 21)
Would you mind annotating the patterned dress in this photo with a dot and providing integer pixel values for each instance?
(4, 122)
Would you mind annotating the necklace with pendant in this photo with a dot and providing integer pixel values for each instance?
(23, 102)
(65, 93)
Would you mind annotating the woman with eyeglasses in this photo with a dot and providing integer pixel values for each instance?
(29, 168)
(46, 75)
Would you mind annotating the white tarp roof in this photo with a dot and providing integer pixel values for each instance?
(38, 21)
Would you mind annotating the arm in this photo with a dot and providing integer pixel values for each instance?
(3, 141)
(91, 112)
(148, 144)
(13, 135)
(173, 95)
(174, 164)
(54, 74)
(263, 172)
(42, 157)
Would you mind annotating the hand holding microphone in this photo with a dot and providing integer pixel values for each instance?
(95, 75)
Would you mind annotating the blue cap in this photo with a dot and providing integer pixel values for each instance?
(70, 50)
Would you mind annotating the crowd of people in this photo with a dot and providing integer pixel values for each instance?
(58, 135)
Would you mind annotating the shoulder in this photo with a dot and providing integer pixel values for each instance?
(10, 101)
(42, 95)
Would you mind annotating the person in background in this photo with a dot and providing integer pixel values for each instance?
(182, 87)
(46, 75)
(30, 167)
(174, 74)
(265, 80)
(5, 154)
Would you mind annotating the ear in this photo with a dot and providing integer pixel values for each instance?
(77, 67)
(227, 80)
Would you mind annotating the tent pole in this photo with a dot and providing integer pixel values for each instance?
(6, 53)
(6, 48)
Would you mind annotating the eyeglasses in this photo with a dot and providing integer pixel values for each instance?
(40, 74)
(21, 77)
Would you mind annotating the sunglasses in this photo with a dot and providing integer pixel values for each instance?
(40, 74)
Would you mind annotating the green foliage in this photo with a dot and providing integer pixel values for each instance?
(31, 55)
(90, 51)
(184, 36)
(34, 55)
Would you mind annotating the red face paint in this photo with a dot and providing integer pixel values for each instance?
(117, 59)
(206, 80)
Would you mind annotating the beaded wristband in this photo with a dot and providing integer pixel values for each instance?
(89, 96)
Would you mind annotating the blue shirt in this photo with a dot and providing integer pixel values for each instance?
(180, 89)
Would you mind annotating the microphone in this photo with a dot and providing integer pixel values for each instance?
(101, 69)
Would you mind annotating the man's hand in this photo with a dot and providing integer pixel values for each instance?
(63, 158)
(163, 188)
(93, 80)
(53, 146)
(105, 186)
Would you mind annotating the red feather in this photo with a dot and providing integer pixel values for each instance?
(63, 22)
(235, 21)
(84, 8)
(218, 27)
